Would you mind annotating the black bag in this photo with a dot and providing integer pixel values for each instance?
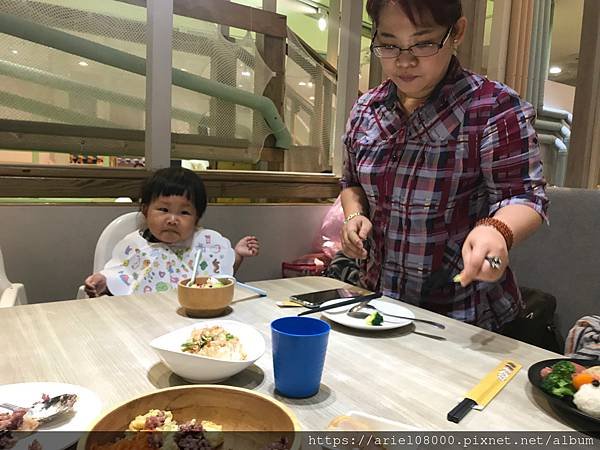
(536, 325)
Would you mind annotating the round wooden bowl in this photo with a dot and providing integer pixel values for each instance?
(205, 302)
(239, 411)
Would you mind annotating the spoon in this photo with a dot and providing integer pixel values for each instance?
(46, 411)
(356, 313)
(196, 261)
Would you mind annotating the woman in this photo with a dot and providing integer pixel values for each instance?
(442, 171)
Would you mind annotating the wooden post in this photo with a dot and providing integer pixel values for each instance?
(159, 57)
(333, 32)
(348, 70)
(583, 166)
(272, 50)
(471, 50)
(499, 43)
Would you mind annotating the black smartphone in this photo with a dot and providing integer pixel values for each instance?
(315, 299)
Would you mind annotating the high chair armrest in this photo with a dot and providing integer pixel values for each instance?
(13, 295)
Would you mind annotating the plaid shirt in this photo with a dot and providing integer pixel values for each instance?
(428, 177)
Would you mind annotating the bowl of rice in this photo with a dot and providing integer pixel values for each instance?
(210, 351)
(207, 296)
(200, 416)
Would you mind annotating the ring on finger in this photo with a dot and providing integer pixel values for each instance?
(495, 262)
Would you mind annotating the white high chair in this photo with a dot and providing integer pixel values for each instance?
(112, 234)
(11, 294)
(110, 237)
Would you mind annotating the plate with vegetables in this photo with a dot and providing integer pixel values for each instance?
(376, 321)
(570, 384)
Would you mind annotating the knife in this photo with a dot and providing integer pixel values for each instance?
(486, 390)
(360, 298)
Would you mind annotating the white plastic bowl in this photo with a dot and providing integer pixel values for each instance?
(203, 369)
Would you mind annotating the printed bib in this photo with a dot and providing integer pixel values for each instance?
(138, 266)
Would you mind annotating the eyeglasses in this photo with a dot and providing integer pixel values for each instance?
(421, 50)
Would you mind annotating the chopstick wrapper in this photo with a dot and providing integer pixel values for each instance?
(486, 389)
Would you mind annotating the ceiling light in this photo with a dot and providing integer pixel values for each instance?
(302, 83)
(322, 23)
(555, 70)
(311, 97)
(310, 84)
(245, 73)
(83, 64)
(14, 52)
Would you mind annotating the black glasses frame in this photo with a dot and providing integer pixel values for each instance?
(410, 49)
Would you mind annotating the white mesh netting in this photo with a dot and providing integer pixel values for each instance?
(309, 109)
(45, 84)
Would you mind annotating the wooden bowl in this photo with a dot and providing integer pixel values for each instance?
(205, 302)
(235, 409)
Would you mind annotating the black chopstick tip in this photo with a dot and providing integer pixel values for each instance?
(461, 410)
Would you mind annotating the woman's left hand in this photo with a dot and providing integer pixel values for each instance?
(483, 241)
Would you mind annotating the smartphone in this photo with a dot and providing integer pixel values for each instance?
(315, 299)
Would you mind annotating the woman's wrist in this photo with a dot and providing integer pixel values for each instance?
(351, 216)
(500, 227)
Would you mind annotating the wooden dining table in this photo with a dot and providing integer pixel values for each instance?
(413, 375)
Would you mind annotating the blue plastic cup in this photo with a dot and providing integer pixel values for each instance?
(299, 347)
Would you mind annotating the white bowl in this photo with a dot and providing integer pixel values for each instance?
(203, 369)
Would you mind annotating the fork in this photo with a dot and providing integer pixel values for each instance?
(355, 312)
(47, 411)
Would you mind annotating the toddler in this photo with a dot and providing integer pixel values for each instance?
(162, 252)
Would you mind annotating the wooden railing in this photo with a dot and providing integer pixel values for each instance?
(54, 181)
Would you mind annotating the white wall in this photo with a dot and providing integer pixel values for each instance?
(559, 95)
(50, 248)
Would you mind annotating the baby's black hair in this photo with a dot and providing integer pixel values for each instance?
(175, 181)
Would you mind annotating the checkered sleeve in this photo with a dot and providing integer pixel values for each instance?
(510, 156)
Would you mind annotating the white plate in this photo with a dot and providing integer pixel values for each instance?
(389, 323)
(369, 426)
(85, 411)
(374, 423)
(203, 369)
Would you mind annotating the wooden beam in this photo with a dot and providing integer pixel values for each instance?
(61, 138)
(159, 60)
(471, 49)
(499, 43)
(583, 166)
(230, 14)
(333, 32)
(29, 181)
(348, 71)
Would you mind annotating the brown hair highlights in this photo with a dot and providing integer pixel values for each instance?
(443, 12)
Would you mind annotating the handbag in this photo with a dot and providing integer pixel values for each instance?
(535, 325)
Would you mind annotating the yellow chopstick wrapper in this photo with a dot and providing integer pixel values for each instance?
(493, 383)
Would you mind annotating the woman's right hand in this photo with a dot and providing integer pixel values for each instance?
(95, 285)
(353, 234)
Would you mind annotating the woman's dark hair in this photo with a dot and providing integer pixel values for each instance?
(443, 12)
(175, 181)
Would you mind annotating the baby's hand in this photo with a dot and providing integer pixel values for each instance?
(247, 246)
(95, 285)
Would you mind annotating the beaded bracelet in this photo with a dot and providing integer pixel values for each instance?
(352, 216)
(500, 226)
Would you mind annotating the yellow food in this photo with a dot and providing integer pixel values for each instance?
(215, 342)
(138, 424)
(593, 371)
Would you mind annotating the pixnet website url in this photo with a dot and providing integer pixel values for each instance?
(384, 440)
